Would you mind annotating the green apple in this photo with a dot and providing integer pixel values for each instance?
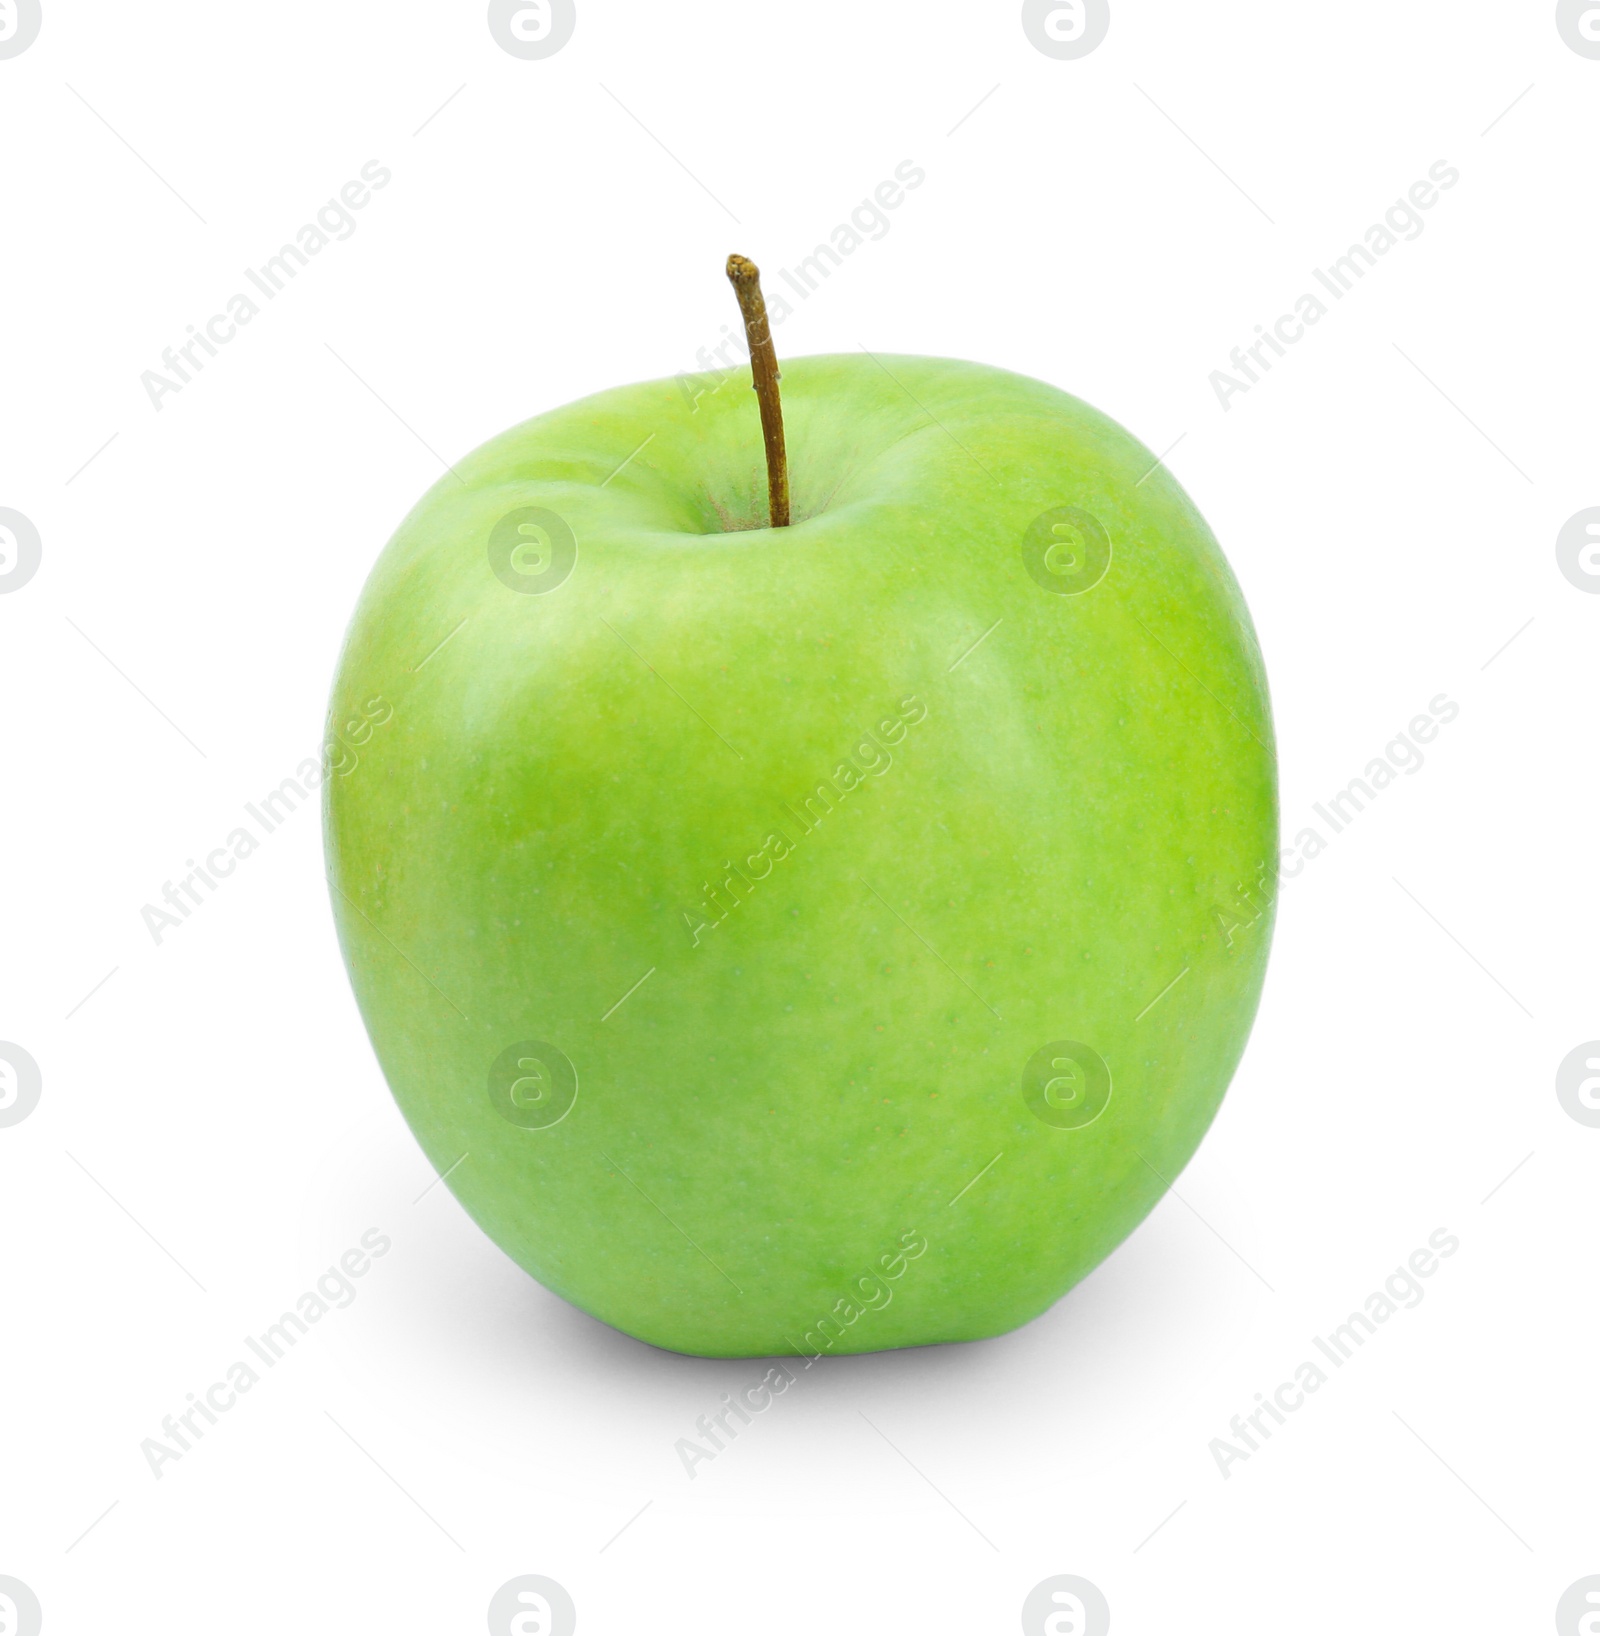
(809, 939)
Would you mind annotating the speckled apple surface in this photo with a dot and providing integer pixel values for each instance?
(810, 940)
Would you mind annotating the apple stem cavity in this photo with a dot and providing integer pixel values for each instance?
(745, 277)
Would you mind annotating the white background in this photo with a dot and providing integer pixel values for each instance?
(213, 1130)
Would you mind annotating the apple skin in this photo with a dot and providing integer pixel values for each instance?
(775, 1134)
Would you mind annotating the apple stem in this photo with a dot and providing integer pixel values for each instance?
(745, 277)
